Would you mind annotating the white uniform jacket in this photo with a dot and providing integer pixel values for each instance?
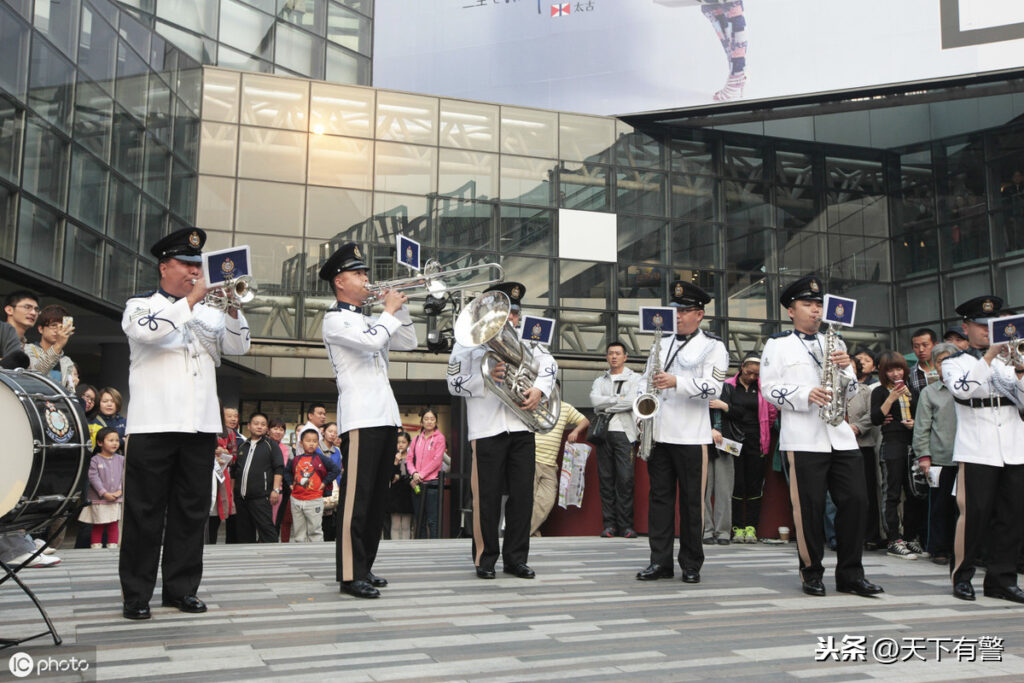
(985, 435)
(788, 373)
(175, 351)
(486, 415)
(605, 399)
(700, 366)
(358, 349)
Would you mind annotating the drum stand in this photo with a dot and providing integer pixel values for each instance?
(12, 573)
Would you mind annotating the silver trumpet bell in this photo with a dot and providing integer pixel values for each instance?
(234, 293)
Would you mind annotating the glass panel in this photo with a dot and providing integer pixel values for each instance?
(135, 33)
(183, 191)
(275, 102)
(349, 29)
(339, 110)
(215, 203)
(467, 225)
(156, 170)
(119, 274)
(218, 150)
(341, 162)
(396, 214)
(585, 138)
(641, 285)
(634, 148)
(83, 259)
(879, 313)
(276, 261)
(857, 257)
(8, 222)
(642, 239)
(97, 48)
(469, 125)
(92, 118)
(917, 187)
(46, 163)
(406, 118)
(233, 59)
(49, 85)
(918, 302)
(10, 141)
(267, 6)
(794, 168)
(132, 76)
(405, 168)
(345, 67)
(299, 51)
(693, 197)
(859, 175)
(195, 15)
(201, 49)
(695, 244)
(40, 236)
(220, 96)
(251, 32)
(747, 248)
(269, 207)
(640, 192)
(747, 294)
(159, 105)
(744, 163)
(584, 186)
(858, 214)
(309, 14)
(364, 6)
(799, 252)
(691, 156)
(13, 54)
(89, 200)
(468, 175)
(529, 131)
(151, 225)
(527, 181)
(186, 134)
(123, 214)
(966, 239)
(534, 274)
(22, 7)
(747, 203)
(272, 155)
(796, 209)
(58, 21)
(126, 154)
(583, 284)
(331, 212)
(526, 230)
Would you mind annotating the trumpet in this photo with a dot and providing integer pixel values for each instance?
(1015, 352)
(435, 281)
(233, 294)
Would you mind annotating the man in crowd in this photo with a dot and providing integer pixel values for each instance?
(956, 336)
(613, 393)
(502, 450)
(257, 475)
(175, 342)
(987, 448)
(694, 364)
(48, 357)
(925, 372)
(868, 365)
(547, 447)
(9, 340)
(22, 310)
(821, 457)
(367, 412)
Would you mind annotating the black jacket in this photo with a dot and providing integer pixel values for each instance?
(253, 471)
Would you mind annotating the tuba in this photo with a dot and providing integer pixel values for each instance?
(234, 293)
(485, 322)
(833, 381)
(647, 404)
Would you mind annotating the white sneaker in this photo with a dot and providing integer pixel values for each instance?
(50, 550)
(41, 561)
(915, 547)
(899, 549)
(114, 545)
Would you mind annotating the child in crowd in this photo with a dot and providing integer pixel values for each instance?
(308, 475)
(399, 518)
(106, 476)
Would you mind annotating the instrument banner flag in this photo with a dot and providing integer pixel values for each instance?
(653, 318)
(408, 252)
(226, 264)
(1003, 330)
(839, 311)
(536, 329)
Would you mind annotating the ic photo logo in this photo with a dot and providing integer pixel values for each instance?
(21, 664)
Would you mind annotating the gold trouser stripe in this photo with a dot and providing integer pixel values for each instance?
(798, 522)
(704, 483)
(347, 573)
(478, 534)
(959, 539)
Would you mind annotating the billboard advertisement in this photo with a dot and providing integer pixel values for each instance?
(628, 56)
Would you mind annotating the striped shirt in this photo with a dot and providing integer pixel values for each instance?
(547, 445)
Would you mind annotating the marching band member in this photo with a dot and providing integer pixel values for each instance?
(820, 456)
(989, 432)
(694, 364)
(503, 450)
(367, 412)
(173, 420)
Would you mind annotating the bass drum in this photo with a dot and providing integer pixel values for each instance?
(43, 459)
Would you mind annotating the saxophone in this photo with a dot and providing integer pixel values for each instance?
(647, 404)
(833, 380)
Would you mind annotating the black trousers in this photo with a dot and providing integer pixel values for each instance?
(873, 531)
(167, 475)
(942, 513)
(895, 464)
(615, 480)
(503, 463)
(673, 467)
(367, 460)
(254, 521)
(840, 473)
(991, 506)
(748, 485)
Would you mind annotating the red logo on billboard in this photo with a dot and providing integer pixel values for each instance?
(561, 9)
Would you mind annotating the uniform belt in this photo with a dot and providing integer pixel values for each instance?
(985, 402)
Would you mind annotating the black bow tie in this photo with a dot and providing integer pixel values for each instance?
(342, 306)
(808, 337)
(685, 337)
(168, 295)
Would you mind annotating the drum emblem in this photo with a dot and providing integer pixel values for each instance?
(58, 427)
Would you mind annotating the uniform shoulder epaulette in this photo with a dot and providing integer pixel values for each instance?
(142, 295)
(711, 335)
(955, 355)
(780, 335)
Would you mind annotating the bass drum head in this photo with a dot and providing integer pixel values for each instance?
(17, 453)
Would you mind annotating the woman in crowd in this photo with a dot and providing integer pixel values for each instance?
(108, 413)
(282, 512)
(893, 407)
(426, 457)
(398, 523)
(330, 446)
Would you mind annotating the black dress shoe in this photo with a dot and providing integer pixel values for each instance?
(860, 587)
(963, 590)
(710, 540)
(655, 572)
(137, 612)
(189, 603)
(482, 573)
(691, 576)
(814, 587)
(376, 581)
(359, 589)
(520, 570)
(722, 541)
(1011, 593)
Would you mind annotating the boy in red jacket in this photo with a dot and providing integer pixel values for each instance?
(307, 474)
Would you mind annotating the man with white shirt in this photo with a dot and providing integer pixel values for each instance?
(503, 450)
(176, 342)
(820, 457)
(367, 411)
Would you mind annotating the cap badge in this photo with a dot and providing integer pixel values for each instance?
(516, 293)
(193, 239)
(814, 286)
(678, 291)
(355, 250)
(988, 306)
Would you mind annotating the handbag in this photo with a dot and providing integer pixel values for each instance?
(598, 429)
